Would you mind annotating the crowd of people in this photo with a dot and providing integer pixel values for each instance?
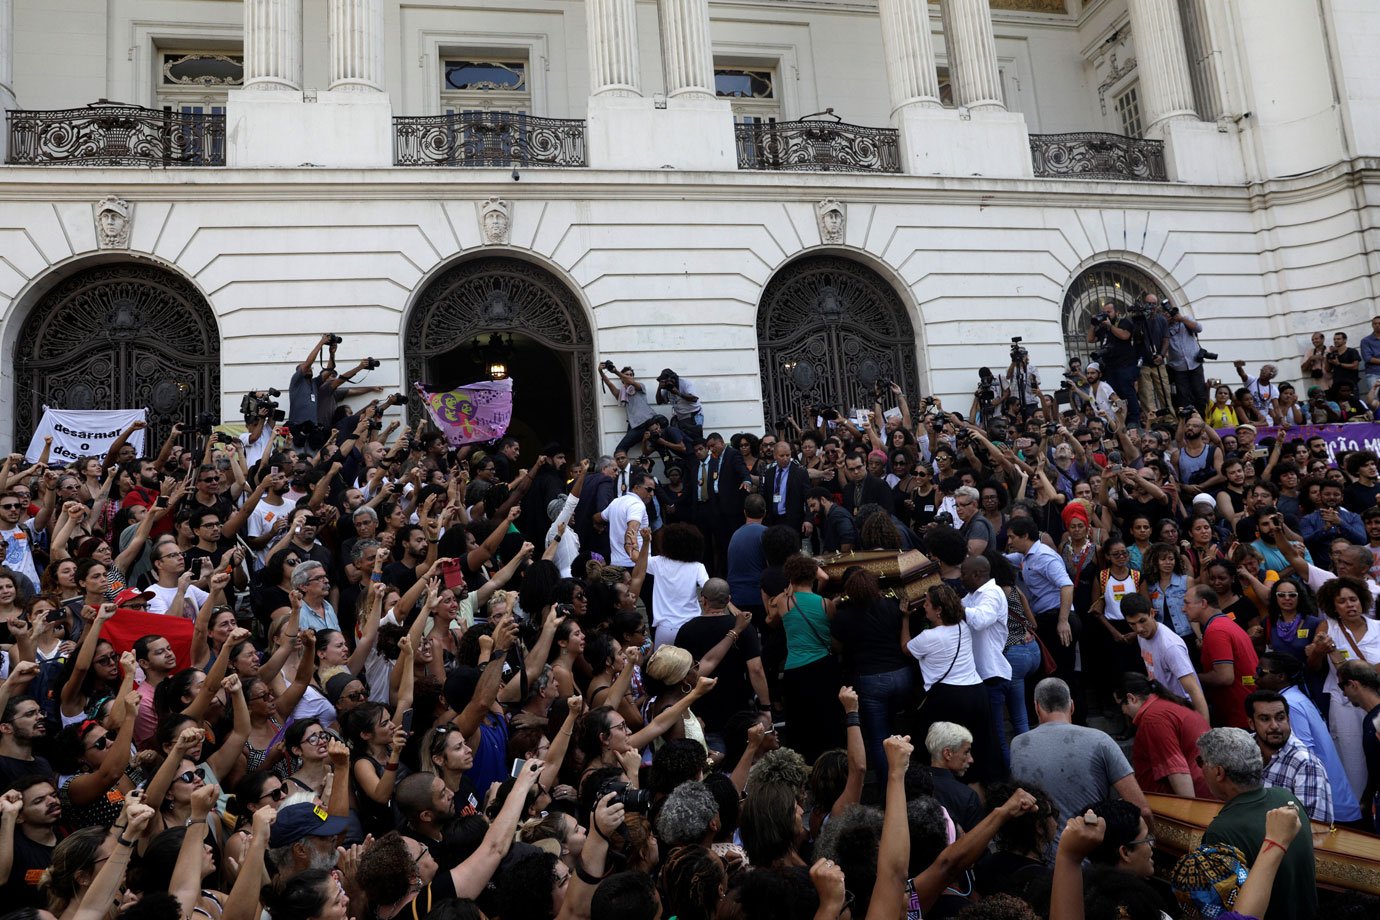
(405, 679)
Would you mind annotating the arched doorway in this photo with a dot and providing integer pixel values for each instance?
(828, 329)
(1106, 282)
(122, 335)
(545, 342)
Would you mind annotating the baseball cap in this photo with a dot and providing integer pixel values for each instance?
(297, 822)
(130, 595)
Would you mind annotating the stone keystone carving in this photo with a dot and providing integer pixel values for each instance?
(113, 218)
(832, 218)
(495, 220)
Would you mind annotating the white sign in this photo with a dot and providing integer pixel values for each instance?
(83, 433)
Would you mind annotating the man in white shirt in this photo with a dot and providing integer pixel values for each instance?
(1098, 392)
(269, 517)
(1165, 654)
(626, 517)
(1264, 391)
(169, 564)
(985, 609)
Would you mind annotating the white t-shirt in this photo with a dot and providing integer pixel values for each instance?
(261, 521)
(1117, 588)
(619, 513)
(162, 599)
(254, 452)
(935, 650)
(1263, 392)
(675, 595)
(19, 555)
(1167, 660)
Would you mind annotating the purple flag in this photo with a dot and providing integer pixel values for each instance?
(472, 413)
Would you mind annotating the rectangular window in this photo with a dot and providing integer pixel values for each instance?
(1128, 112)
(483, 84)
(197, 83)
(751, 91)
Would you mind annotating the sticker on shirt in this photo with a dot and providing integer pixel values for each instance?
(1247, 680)
(1303, 633)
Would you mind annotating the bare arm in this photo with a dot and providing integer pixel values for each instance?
(243, 901)
(857, 755)
(671, 715)
(893, 854)
(472, 875)
(223, 761)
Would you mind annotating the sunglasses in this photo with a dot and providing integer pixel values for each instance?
(101, 743)
(108, 658)
(275, 795)
(10, 507)
(191, 776)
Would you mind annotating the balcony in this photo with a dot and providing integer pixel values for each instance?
(493, 139)
(1093, 155)
(817, 146)
(114, 134)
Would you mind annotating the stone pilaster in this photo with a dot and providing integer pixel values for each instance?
(686, 49)
(909, 51)
(1166, 87)
(273, 45)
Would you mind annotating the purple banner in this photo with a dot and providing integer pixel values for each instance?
(472, 413)
(1339, 437)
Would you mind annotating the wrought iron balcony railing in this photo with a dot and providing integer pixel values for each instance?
(114, 134)
(497, 139)
(817, 146)
(1094, 155)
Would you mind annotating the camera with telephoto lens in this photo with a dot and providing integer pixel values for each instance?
(261, 404)
(1098, 319)
(608, 366)
(985, 394)
(1205, 355)
(634, 800)
(1051, 430)
(221, 437)
(1137, 308)
(371, 364)
(829, 414)
(1017, 352)
(944, 518)
(205, 421)
(333, 339)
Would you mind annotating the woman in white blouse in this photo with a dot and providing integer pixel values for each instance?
(953, 690)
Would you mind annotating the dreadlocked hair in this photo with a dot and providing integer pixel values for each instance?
(691, 880)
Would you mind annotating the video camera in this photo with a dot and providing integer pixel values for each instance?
(261, 404)
(1018, 353)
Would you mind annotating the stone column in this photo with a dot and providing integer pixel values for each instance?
(910, 69)
(613, 57)
(6, 71)
(1166, 87)
(273, 45)
(972, 54)
(686, 49)
(356, 45)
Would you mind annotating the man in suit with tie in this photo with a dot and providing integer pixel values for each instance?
(784, 488)
(622, 470)
(701, 470)
(860, 488)
(599, 489)
(731, 484)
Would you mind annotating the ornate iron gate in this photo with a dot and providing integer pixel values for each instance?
(119, 336)
(828, 329)
(1114, 282)
(503, 294)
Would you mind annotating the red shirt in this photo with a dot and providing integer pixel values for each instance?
(1223, 640)
(1166, 743)
(147, 497)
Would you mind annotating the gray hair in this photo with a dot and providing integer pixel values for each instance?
(1235, 751)
(365, 511)
(946, 736)
(605, 462)
(304, 572)
(716, 592)
(686, 814)
(968, 492)
(1052, 695)
(361, 547)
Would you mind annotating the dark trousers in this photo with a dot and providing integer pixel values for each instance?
(634, 435)
(1065, 659)
(1122, 379)
(1190, 389)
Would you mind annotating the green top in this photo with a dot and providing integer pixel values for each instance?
(807, 630)
(1241, 823)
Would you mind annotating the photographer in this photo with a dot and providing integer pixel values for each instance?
(687, 415)
(985, 398)
(1153, 383)
(1185, 359)
(313, 398)
(1344, 363)
(1114, 335)
(1022, 381)
(633, 397)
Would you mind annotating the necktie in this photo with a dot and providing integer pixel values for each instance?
(704, 480)
(623, 482)
(781, 490)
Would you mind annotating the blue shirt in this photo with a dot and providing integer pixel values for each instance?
(746, 562)
(1044, 573)
(1370, 348)
(1319, 535)
(311, 620)
(1307, 725)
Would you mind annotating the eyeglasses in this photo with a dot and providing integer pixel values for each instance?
(967, 504)
(1147, 839)
(10, 507)
(317, 738)
(266, 695)
(191, 776)
(172, 555)
(209, 524)
(318, 578)
(276, 794)
(108, 658)
(1119, 552)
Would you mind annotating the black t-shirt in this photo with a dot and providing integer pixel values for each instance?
(1116, 350)
(733, 692)
(400, 575)
(30, 859)
(868, 635)
(196, 553)
(773, 581)
(1358, 497)
(1345, 374)
(12, 768)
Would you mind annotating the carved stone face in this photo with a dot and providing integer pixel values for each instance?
(112, 223)
(833, 222)
(495, 225)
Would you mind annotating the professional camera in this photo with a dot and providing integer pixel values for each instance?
(1099, 318)
(944, 518)
(963, 438)
(205, 422)
(985, 394)
(1017, 352)
(371, 364)
(1170, 310)
(1205, 355)
(1137, 308)
(608, 366)
(259, 404)
(1051, 430)
(333, 339)
(829, 414)
(780, 424)
(634, 800)
(1186, 412)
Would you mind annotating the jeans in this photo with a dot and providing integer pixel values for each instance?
(1010, 694)
(1122, 377)
(634, 435)
(880, 696)
(1190, 389)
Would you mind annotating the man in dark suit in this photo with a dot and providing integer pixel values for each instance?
(835, 531)
(731, 484)
(599, 489)
(784, 487)
(700, 471)
(860, 488)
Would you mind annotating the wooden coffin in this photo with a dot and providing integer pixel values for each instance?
(1347, 860)
(908, 574)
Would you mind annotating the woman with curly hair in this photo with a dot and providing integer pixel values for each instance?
(678, 573)
(1350, 633)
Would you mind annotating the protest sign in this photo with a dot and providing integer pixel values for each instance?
(1339, 437)
(83, 433)
(472, 413)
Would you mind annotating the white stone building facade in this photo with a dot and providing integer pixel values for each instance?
(269, 195)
